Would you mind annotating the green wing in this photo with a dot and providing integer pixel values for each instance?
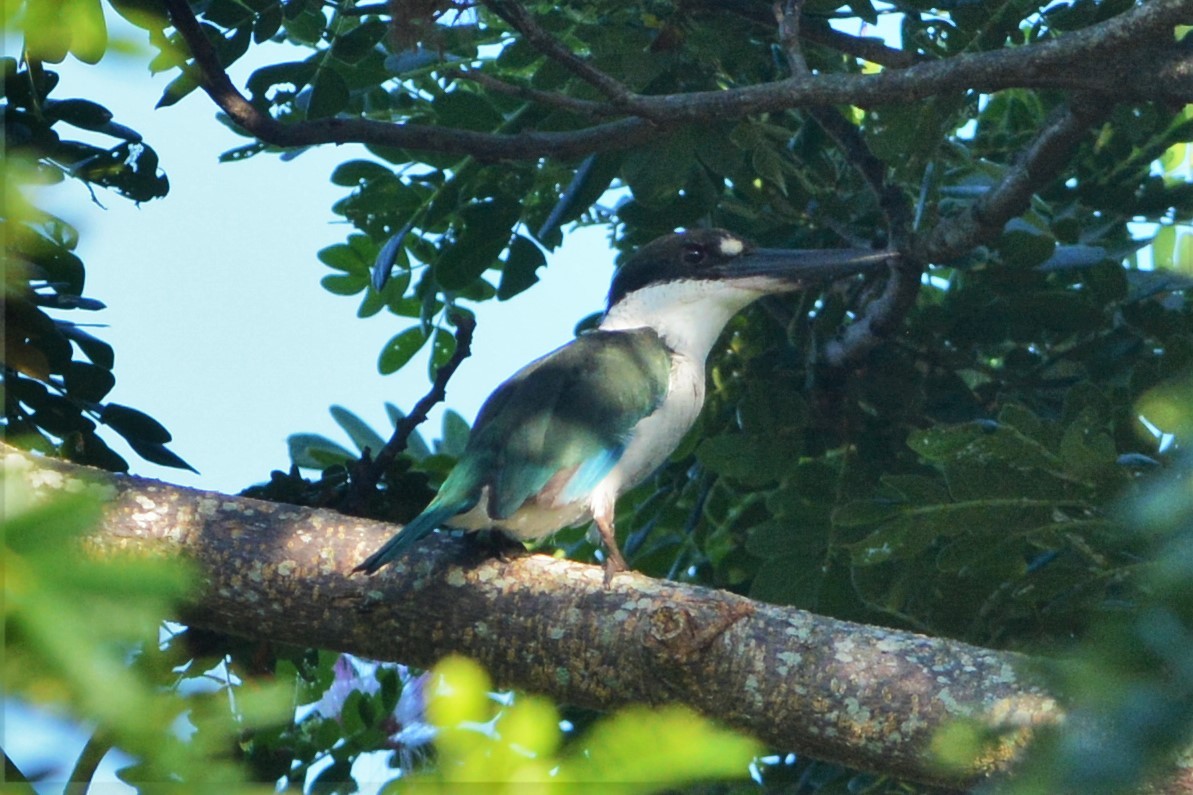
(571, 410)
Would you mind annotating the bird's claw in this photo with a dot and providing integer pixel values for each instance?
(614, 563)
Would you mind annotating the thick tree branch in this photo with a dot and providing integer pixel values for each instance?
(620, 134)
(870, 697)
(1129, 57)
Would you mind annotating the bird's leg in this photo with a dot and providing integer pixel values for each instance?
(614, 562)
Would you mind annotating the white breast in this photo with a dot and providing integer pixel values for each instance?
(654, 438)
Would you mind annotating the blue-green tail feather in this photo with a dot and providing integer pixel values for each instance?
(415, 530)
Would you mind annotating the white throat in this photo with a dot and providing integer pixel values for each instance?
(688, 315)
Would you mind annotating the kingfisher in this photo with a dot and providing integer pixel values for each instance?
(557, 443)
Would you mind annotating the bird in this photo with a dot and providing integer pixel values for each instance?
(558, 442)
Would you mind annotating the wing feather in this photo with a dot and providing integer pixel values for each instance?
(572, 409)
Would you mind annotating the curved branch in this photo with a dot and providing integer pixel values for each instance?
(984, 220)
(620, 134)
(869, 697)
(367, 473)
(1131, 56)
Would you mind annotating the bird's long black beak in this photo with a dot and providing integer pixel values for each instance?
(798, 266)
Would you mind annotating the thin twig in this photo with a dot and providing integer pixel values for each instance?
(788, 17)
(544, 42)
(863, 47)
(212, 77)
(585, 107)
(886, 312)
(367, 473)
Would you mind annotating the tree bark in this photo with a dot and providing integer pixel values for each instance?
(868, 697)
(1131, 57)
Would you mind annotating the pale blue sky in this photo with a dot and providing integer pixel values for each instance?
(220, 327)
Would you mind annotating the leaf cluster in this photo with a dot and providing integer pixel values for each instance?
(962, 476)
(53, 397)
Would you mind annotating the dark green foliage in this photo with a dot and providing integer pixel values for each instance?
(52, 400)
(965, 478)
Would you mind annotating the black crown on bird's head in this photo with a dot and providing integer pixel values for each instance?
(691, 254)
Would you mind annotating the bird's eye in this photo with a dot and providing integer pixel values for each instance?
(694, 253)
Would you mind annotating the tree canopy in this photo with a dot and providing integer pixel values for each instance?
(983, 445)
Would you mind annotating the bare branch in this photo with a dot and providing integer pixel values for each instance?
(869, 697)
(1131, 56)
(885, 313)
(621, 134)
(984, 220)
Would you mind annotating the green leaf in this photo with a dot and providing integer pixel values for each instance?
(268, 22)
(656, 172)
(913, 530)
(88, 30)
(684, 747)
(298, 73)
(455, 434)
(1024, 245)
(523, 259)
(486, 233)
(99, 352)
(307, 24)
(753, 459)
(227, 13)
(176, 89)
(466, 110)
(864, 9)
(90, 449)
(359, 42)
(312, 451)
(329, 94)
(158, 454)
(133, 424)
(443, 346)
(89, 382)
(401, 349)
(344, 284)
(81, 113)
(354, 173)
(358, 430)
(344, 257)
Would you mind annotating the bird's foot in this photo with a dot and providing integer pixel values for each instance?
(614, 564)
(487, 544)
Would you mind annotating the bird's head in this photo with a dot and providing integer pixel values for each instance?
(723, 261)
(687, 285)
